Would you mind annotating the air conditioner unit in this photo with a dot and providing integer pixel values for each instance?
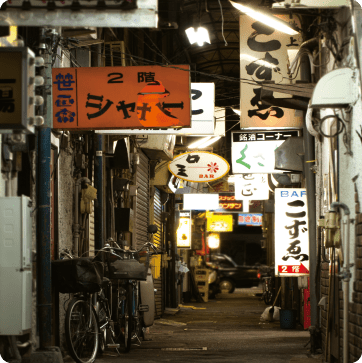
(337, 89)
(311, 4)
(158, 146)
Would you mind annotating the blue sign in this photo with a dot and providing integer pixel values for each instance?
(250, 219)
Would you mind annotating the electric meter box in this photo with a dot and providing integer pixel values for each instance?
(15, 265)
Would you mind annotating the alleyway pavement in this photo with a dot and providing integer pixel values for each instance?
(227, 330)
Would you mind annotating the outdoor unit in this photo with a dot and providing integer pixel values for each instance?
(15, 265)
(157, 146)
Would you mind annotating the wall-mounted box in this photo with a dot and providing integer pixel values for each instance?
(15, 265)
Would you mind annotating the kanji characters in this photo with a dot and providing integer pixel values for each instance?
(65, 115)
(64, 83)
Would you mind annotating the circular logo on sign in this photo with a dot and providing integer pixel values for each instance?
(199, 166)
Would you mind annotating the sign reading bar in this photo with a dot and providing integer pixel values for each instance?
(199, 166)
(121, 97)
(291, 232)
(253, 152)
(202, 119)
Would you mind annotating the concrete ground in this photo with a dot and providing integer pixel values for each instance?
(228, 329)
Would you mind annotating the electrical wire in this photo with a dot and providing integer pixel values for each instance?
(222, 24)
(339, 120)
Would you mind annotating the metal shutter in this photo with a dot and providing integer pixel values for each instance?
(91, 223)
(157, 240)
(142, 201)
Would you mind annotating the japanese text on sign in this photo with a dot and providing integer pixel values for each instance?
(291, 229)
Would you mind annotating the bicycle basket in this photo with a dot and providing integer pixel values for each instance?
(128, 269)
(77, 275)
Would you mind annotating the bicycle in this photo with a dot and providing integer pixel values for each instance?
(268, 286)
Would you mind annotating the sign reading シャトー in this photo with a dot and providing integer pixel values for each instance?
(199, 166)
(253, 152)
(202, 119)
(121, 97)
(264, 57)
(291, 232)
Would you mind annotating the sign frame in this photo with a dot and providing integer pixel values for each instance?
(287, 201)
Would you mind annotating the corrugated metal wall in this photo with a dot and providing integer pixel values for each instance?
(157, 240)
(91, 222)
(142, 201)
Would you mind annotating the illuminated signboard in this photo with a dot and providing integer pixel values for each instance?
(183, 233)
(250, 219)
(138, 97)
(219, 223)
(291, 232)
(228, 204)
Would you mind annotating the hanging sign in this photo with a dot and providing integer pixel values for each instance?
(250, 219)
(121, 97)
(229, 204)
(252, 186)
(253, 152)
(219, 223)
(202, 119)
(199, 166)
(291, 232)
(264, 57)
(183, 233)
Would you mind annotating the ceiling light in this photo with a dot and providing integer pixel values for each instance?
(198, 142)
(209, 142)
(200, 36)
(269, 20)
(238, 112)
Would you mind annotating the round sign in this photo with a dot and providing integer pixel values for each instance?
(199, 166)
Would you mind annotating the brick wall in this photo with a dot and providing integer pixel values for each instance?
(355, 307)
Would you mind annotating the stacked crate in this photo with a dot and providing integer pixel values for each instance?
(202, 282)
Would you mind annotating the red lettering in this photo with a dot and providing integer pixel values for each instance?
(200, 176)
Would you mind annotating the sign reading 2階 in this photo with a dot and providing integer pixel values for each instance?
(291, 232)
(199, 166)
(100, 98)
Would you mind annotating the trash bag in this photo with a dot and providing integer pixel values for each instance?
(265, 315)
(77, 275)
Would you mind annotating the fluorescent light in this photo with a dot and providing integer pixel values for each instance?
(238, 112)
(271, 21)
(261, 62)
(209, 142)
(199, 142)
(200, 36)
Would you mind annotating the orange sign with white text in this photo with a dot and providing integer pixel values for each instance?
(101, 98)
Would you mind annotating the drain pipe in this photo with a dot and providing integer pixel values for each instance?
(309, 152)
(76, 226)
(98, 184)
(345, 275)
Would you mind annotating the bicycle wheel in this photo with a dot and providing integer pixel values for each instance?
(128, 318)
(81, 331)
(268, 297)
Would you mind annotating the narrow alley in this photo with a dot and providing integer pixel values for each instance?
(226, 329)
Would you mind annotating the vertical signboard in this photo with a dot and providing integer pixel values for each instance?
(291, 232)
(263, 57)
(252, 187)
(183, 233)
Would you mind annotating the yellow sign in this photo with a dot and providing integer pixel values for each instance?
(184, 233)
(220, 223)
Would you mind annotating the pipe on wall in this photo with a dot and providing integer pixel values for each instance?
(44, 239)
(98, 184)
(309, 154)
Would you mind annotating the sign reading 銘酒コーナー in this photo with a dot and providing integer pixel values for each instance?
(121, 97)
(291, 232)
(198, 166)
(253, 151)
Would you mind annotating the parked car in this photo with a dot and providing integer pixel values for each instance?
(231, 275)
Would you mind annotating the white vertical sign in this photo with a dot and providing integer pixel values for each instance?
(251, 187)
(291, 232)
